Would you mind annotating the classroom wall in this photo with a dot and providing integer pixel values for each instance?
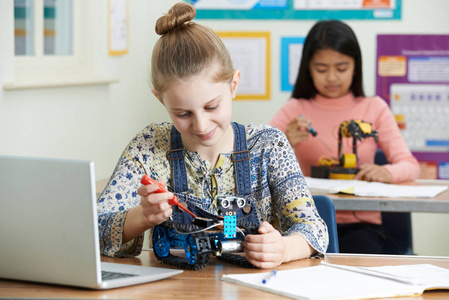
(88, 122)
(97, 122)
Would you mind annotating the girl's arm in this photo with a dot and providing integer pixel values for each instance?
(302, 231)
(122, 209)
(115, 205)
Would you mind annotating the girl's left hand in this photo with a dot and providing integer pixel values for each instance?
(372, 172)
(265, 250)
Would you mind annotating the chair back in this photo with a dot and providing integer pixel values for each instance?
(326, 209)
(398, 225)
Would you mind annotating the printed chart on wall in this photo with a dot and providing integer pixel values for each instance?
(297, 9)
(250, 54)
(413, 77)
(291, 53)
(118, 27)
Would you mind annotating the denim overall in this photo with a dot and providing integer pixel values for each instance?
(240, 157)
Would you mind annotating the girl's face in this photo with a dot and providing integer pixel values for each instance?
(201, 110)
(332, 73)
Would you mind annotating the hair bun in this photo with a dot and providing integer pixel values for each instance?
(178, 16)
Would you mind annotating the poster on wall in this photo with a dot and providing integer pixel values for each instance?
(118, 27)
(413, 77)
(297, 9)
(250, 54)
(291, 53)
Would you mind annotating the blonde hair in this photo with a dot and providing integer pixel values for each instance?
(186, 49)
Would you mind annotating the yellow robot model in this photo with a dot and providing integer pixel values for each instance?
(346, 166)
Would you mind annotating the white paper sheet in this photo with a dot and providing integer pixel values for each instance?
(373, 189)
(325, 282)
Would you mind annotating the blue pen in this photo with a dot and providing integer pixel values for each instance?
(269, 276)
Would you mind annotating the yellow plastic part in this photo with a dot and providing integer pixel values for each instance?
(327, 162)
(349, 160)
(364, 126)
(341, 176)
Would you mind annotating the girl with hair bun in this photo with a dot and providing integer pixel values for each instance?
(193, 78)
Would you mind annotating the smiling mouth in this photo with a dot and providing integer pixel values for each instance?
(206, 136)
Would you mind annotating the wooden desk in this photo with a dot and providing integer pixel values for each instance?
(206, 284)
(438, 204)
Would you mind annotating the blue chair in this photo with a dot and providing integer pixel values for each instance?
(397, 225)
(326, 209)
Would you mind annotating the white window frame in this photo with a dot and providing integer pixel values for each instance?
(43, 71)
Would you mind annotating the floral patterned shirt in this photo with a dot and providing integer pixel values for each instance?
(279, 191)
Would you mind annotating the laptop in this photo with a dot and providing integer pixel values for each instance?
(49, 227)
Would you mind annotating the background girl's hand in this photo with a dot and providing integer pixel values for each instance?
(297, 130)
(265, 250)
(372, 172)
(155, 207)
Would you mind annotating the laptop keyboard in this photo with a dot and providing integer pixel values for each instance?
(106, 275)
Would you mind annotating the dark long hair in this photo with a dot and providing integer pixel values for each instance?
(328, 34)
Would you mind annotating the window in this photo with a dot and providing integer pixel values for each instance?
(55, 17)
(58, 27)
(23, 27)
(55, 44)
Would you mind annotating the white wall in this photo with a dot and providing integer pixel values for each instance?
(90, 122)
(97, 122)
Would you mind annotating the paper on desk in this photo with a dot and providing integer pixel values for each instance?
(326, 282)
(372, 189)
(377, 189)
(330, 186)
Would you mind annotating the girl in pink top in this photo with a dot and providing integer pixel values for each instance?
(329, 91)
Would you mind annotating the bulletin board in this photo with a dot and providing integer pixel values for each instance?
(297, 9)
(413, 77)
(250, 53)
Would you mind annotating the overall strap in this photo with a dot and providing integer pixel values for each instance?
(176, 156)
(241, 158)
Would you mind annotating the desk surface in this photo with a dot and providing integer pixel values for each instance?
(206, 283)
(439, 204)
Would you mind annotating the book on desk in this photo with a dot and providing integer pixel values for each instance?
(331, 281)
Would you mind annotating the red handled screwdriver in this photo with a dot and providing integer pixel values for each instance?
(146, 180)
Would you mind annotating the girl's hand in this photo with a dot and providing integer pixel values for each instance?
(297, 130)
(265, 250)
(372, 172)
(155, 207)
